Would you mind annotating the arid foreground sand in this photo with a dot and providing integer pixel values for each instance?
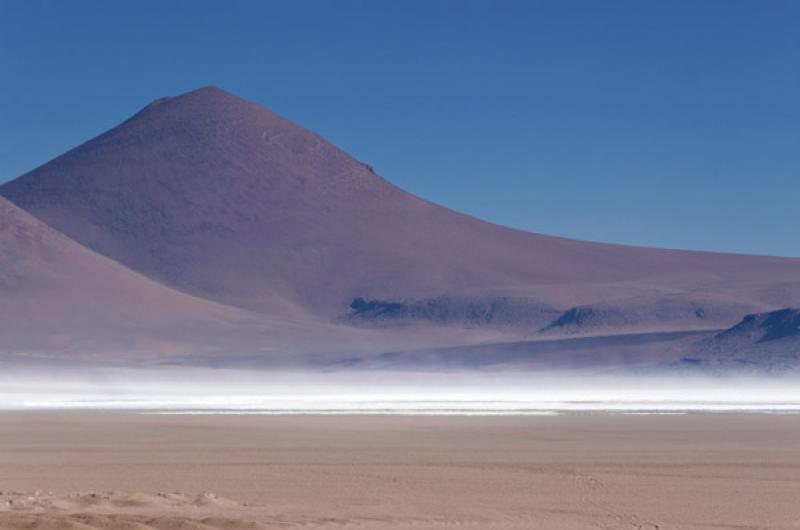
(129, 471)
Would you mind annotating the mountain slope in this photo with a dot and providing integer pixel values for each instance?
(223, 199)
(60, 299)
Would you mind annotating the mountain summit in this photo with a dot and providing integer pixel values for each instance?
(224, 200)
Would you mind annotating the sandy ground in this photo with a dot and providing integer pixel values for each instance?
(127, 471)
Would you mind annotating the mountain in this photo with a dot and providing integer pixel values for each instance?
(228, 204)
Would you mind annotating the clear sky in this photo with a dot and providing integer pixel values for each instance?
(648, 122)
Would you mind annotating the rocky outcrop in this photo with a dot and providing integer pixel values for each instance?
(451, 310)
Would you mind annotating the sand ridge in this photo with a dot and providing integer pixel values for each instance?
(120, 510)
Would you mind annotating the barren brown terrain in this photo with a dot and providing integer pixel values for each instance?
(84, 471)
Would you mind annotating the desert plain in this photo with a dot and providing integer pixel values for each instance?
(126, 470)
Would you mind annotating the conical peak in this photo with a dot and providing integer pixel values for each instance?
(210, 91)
(209, 95)
(205, 136)
(207, 101)
(208, 116)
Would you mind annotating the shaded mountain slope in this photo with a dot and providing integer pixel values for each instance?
(223, 199)
(628, 351)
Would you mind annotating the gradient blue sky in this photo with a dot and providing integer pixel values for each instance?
(672, 124)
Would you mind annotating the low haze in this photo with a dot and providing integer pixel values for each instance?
(206, 391)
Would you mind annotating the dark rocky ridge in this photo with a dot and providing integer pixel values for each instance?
(762, 342)
(690, 312)
(466, 311)
(765, 327)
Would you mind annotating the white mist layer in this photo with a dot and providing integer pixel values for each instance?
(232, 392)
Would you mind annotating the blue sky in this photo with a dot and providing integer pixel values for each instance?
(655, 123)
